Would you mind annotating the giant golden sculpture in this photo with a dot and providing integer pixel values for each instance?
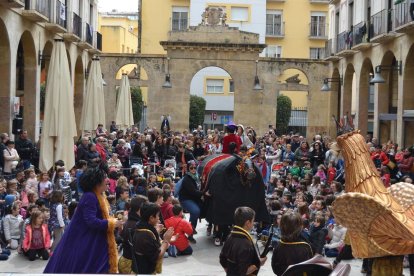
(380, 221)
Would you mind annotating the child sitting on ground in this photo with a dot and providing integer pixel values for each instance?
(37, 238)
(318, 234)
(291, 249)
(11, 226)
(182, 229)
(239, 256)
(166, 206)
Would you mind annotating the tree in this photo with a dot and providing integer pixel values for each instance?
(137, 103)
(284, 107)
(197, 110)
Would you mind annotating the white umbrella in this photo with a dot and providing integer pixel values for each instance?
(93, 110)
(124, 116)
(59, 125)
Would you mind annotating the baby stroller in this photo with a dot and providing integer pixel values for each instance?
(136, 162)
(170, 168)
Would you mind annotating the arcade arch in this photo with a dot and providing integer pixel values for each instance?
(388, 103)
(408, 99)
(26, 83)
(5, 69)
(365, 114)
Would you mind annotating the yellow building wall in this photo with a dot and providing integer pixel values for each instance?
(116, 35)
(297, 17)
(299, 98)
(156, 23)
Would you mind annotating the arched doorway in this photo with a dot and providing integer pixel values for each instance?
(388, 101)
(5, 68)
(408, 99)
(79, 86)
(138, 81)
(295, 85)
(26, 85)
(365, 114)
(216, 86)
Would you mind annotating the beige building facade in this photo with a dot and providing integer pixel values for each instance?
(370, 39)
(27, 33)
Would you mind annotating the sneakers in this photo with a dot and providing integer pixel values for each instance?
(217, 242)
(191, 239)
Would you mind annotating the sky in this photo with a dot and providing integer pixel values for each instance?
(119, 5)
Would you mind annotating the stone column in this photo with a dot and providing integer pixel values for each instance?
(400, 110)
(6, 71)
(31, 97)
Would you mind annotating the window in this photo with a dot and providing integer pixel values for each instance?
(239, 14)
(274, 51)
(215, 86)
(318, 24)
(179, 20)
(231, 86)
(274, 23)
(317, 53)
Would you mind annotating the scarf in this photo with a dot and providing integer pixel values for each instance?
(193, 176)
(110, 237)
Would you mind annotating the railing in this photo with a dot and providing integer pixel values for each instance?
(318, 30)
(88, 34)
(328, 48)
(77, 25)
(61, 14)
(99, 41)
(277, 29)
(343, 41)
(360, 33)
(42, 6)
(380, 23)
(402, 14)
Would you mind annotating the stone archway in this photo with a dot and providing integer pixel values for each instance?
(26, 84)
(408, 99)
(79, 89)
(365, 112)
(5, 69)
(204, 46)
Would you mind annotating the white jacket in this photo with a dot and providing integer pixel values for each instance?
(11, 226)
(337, 234)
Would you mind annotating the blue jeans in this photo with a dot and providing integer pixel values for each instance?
(26, 164)
(331, 252)
(194, 210)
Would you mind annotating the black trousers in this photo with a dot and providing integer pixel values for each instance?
(32, 253)
(412, 11)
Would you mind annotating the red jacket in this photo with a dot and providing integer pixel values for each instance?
(231, 138)
(166, 210)
(28, 238)
(101, 150)
(181, 227)
(331, 174)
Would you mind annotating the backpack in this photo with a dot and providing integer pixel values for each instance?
(178, 188)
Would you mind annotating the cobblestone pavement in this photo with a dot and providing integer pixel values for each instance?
(204, 261)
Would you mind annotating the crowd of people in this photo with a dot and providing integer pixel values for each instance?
(302, 178)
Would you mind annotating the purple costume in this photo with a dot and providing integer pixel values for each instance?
(84, 246)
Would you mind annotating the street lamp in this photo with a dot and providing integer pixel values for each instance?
(167, 83)
(257, 86)
(377, 76)
(326, 81)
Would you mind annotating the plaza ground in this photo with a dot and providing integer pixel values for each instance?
(204, 261)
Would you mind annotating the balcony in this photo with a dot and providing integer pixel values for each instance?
(381, 27)
(403, 21)
(12, 3)
(319, 1)
(97, 43)
(276, 30)
(58, 19)
(318, 31)
(334, 2)
(37, 10)
(344, 44)
(330, 52)
(87, 43)
(74, 33)
(360, 37)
